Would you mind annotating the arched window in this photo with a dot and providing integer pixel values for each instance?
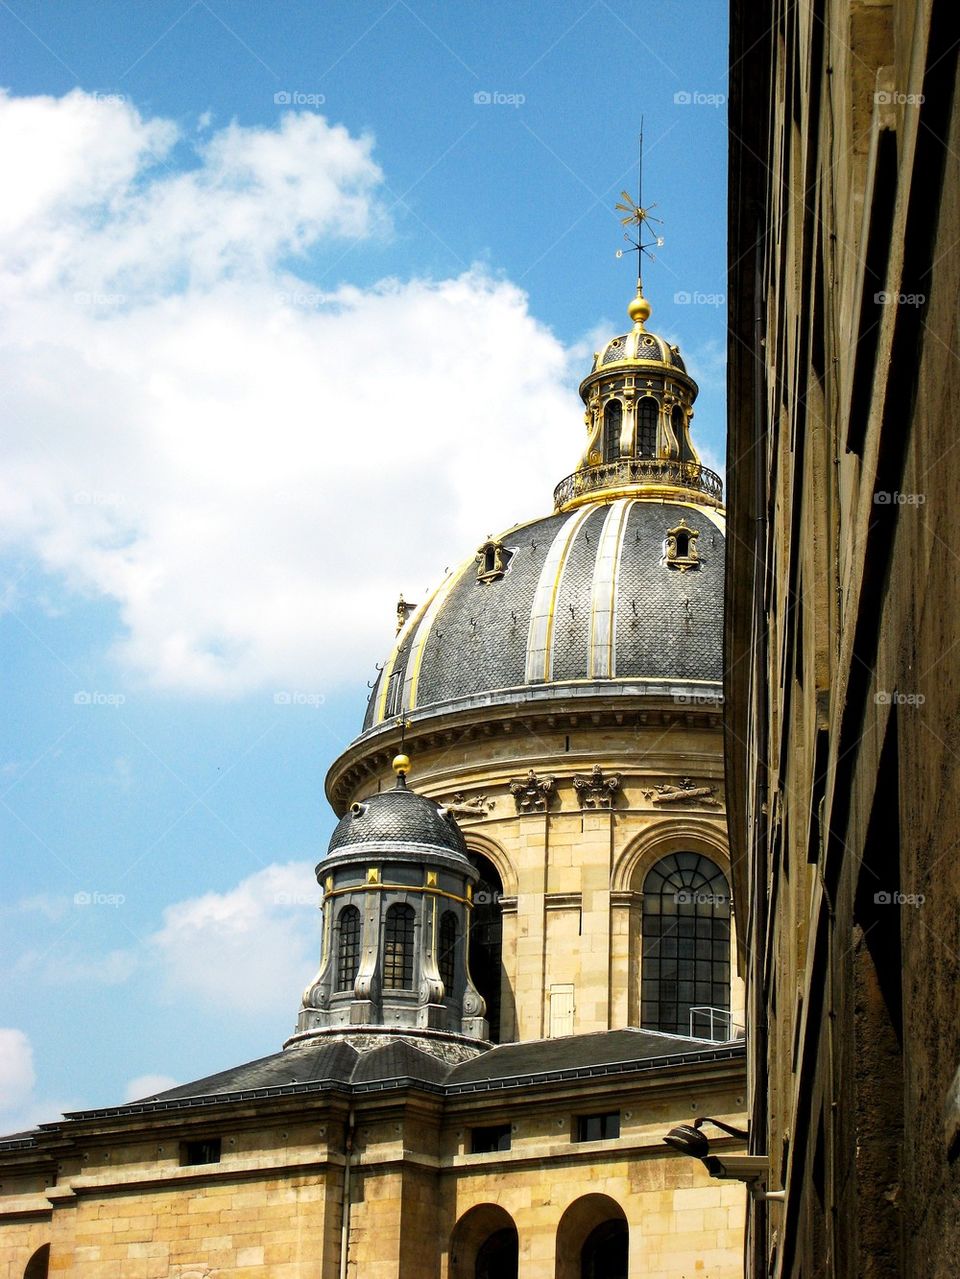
(447, 958)
(486, 939)
(38, 1266)
(612, 422)
(679, 423)
(499, 1255)
(348, 947)
(686, 945)
(398, 947)
(648, 414)
(605, 1252)
(593, 1240)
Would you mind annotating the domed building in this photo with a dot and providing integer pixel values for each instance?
(527, 973)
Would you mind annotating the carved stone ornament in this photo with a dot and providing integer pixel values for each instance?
(476, 806)
(597, 791)
(685, 793)
(534, 794)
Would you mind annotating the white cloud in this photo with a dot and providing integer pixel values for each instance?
(20, 1107)
(244, 949)
(17, 1076)
(249, 465)
(145, 1086)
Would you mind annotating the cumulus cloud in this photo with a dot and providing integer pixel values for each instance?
(20, 1106)
(244, 949)
(17, 1076)
(249, 463)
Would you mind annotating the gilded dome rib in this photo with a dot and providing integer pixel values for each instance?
(540, 636)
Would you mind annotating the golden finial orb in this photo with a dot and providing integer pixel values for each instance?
(401, 765)
(639, 309)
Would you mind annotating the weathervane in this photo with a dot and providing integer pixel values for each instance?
(639, 217)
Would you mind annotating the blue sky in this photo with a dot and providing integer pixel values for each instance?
(297, 300)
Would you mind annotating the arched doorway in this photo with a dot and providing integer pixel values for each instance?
(593, 1240)
(38, 1266)
(486, 939)
(484, 1244)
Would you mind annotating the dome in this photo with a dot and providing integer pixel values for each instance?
(639, 346)
(628, 589)
(397, 818)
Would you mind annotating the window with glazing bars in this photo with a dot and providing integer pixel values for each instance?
(686, 942)
(398, 947)
(612, 423)
(348, 953)
(446, 960)
(648, 416)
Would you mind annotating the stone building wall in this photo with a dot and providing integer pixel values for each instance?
(842, 688)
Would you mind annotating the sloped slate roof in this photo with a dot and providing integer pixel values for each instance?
(314, 1064)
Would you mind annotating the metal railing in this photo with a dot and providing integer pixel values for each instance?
(729, 1029)
(639, 470)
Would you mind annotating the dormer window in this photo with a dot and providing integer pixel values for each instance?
(681, 547)
(492, 560)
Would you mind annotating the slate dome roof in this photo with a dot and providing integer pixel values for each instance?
(639, 346)
(397, 817)
(586, 597)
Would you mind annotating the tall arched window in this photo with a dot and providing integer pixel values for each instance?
(498, 1257)
(447, 958)
(398, 947)
(685, 962)
(612, 422)
(348, 947)
(486, 939)
(648, 415)
(39, 1264)
(679, 423)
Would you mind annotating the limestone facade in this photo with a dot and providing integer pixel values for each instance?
(842, 689)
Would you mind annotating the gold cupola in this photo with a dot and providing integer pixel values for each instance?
(639, 400)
